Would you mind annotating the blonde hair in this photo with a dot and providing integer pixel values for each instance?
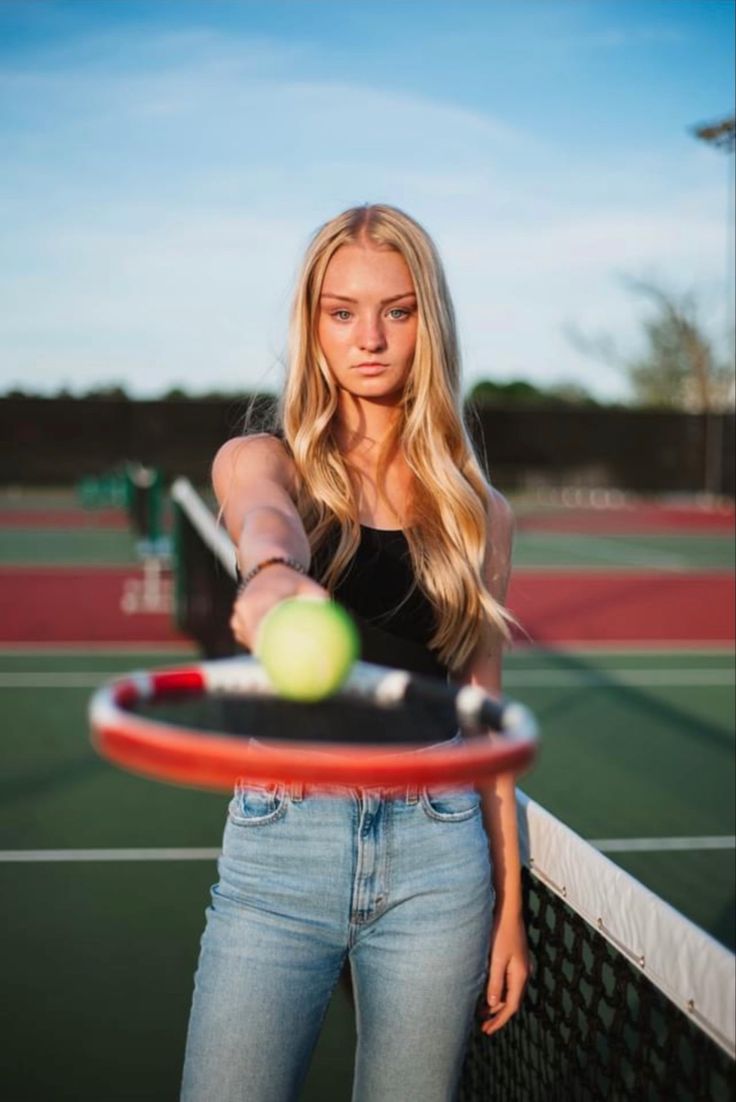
(450, 498)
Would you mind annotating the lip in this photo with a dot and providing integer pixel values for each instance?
(371, 368)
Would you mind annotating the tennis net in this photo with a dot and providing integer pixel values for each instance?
(144, 502)
(203, 563)
(628, 1000)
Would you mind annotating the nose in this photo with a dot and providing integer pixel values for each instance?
(371, 336)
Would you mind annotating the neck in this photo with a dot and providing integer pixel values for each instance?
(364, 425)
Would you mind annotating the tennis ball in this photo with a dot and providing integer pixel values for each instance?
(307, 646)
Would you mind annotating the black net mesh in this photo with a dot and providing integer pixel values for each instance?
(204, 591)
(592, 1027)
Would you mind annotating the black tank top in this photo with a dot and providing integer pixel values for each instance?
(395, 618)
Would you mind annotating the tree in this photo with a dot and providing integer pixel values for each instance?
(678, 367)
(110, 391)
(520, 392)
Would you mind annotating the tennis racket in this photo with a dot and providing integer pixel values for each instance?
(211, 724)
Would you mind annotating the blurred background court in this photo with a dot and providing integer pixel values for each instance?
(105, 876)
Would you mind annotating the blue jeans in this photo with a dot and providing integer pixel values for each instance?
(397, 883)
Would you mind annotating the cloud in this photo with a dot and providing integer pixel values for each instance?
(161, 192)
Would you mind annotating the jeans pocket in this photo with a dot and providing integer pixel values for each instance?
(257, 804)
(450, 805)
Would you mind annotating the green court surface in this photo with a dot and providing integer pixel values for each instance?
(38, 498)
(668, 551)
(99, 954)
(100, 947)
(543, 549)
(67, 547)
(540, 550)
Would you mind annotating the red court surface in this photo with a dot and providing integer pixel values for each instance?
(627, 519)
(76, 604)
(631, 607)
(635, 519)
(553, 607)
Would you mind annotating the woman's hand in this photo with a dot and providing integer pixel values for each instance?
(508, 973)
(274, 584)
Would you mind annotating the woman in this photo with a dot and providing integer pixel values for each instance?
(368, 491)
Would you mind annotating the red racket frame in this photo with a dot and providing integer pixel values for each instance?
(175, 754)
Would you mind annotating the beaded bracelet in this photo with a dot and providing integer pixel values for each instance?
(285, 560)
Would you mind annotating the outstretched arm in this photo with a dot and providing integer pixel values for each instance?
(253, 479)
(509, 961)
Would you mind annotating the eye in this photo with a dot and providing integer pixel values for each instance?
(398, 313)
(341, 315)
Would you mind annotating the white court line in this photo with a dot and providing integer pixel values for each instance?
(663, 845)
(169, 853)
(673, 677)
(173, 853)
(66, 650)
(644, 678)
(53, 680)
(77, 680)
(642, 648)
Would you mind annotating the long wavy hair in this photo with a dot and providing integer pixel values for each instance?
(448, 509)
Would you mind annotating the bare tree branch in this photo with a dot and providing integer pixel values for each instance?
(677, 368)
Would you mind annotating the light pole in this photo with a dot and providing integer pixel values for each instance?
(722, 135)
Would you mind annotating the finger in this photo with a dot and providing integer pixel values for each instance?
(306, 587)
(235, 627)
(486, 1016)
(498, 1021)
(496, 985)
(493, 1025)
(497, 1018)
(239, 627)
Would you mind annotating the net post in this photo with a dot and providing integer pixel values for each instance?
(203, 564)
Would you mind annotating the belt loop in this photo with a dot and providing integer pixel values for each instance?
(297, 791)
(412, 794)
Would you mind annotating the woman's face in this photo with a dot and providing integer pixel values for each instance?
(367, 325)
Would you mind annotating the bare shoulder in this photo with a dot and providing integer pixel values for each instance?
(248, 459)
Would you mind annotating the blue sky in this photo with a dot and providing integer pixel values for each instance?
(165, 163)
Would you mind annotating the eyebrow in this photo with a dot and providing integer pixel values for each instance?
(384, 302)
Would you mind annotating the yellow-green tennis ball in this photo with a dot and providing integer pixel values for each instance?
(307, 647)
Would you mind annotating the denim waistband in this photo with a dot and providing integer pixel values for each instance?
(410, 792)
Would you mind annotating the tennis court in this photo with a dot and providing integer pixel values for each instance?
(105, 876)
